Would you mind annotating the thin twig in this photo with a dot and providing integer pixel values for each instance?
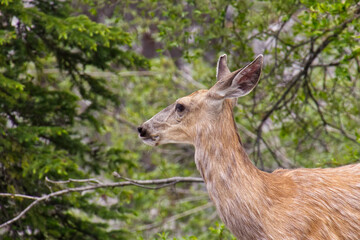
(89, 180)
(15, 195)
(134, 182)
(104, 74)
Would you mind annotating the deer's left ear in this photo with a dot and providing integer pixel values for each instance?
(240, 82)
(222, 69)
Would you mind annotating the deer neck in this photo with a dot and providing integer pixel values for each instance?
(234, 184)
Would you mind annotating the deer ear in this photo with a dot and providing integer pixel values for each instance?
(222, 69)
(240, 82)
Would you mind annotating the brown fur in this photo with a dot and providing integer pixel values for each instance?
(285, 204)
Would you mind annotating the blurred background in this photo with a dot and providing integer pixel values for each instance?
(77, 78)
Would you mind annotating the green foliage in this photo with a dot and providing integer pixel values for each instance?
(44, 133)
(218, 232)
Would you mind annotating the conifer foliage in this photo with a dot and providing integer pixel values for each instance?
(39, 109)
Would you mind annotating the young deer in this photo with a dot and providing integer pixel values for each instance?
(285, 204)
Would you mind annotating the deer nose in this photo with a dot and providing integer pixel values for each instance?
(142, 131)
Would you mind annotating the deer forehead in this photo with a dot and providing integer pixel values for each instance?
(194, 98)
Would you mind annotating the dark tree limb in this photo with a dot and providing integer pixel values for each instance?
(313, 54)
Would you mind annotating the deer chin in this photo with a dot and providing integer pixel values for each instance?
(151, 141)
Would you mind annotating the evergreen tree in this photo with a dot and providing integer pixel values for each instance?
(46, 117)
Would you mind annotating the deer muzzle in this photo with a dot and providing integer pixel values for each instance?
(146, 136)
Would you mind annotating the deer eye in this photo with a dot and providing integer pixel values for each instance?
(179, 107)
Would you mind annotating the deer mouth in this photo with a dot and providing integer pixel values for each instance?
(150, 140)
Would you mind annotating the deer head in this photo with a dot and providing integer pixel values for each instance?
(183, 120)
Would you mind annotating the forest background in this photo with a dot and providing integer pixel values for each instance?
(77, 78)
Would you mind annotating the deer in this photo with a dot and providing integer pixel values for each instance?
(319, 203)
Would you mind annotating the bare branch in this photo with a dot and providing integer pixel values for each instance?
(140, 183)
(104, 74)
(14, 195)
(333, 64)
(135, 182)
(89, 180)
